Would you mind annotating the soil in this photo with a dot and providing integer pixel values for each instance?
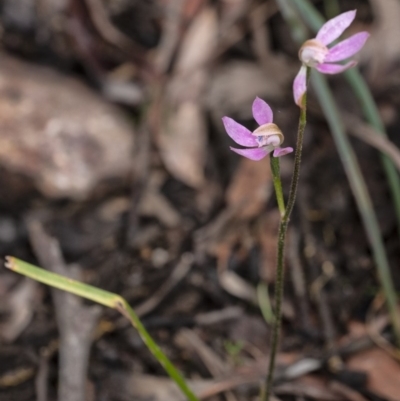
(116, 170)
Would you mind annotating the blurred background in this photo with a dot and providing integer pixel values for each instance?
(115, 169)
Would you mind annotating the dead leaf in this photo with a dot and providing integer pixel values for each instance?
(199, 42)
(267, 236)
(309, 386)
(183, 137)
(145, 387)
(251, 330)
(190, 341)
(20, 305)
(183, 144)
(250, 187)
(237, 286)
(57, 132)
(386, 31)
(235, 84)
(154, 204)
(383, 372)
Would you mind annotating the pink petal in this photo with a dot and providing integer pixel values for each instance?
(241, 135)
(300, 86)
(347, 48)
(278, 152)
(333, 28)
(262, 113)
(252, 154)
(335, 68)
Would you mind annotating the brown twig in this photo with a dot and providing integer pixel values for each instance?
(314, 265)
(369, 135)
(140, 173)
(76, 322)
(298, 280)
(180, 272)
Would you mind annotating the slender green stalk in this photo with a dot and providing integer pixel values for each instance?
(297, 26)
(371, 114)
(265, 304)
(276, 178)
(315, 20)
(265, 396)
(331, 8)
(107, 299)
(361, 195)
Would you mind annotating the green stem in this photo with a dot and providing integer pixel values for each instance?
(371, 114)
(315, 20)
(281, 249)
(107, 299)
(276, 177)
(361, 195)
(125, 309)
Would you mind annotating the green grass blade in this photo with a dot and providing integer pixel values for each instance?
(62, 283)
(350, 163)
(315, 20)
(107, 299)
(265, 303)
(361, 195)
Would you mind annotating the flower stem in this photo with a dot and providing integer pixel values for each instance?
(281, 248)
(107, 299)
(276, 177)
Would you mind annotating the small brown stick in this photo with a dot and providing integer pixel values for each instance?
(347, 392)
(178, 274)
(76, 322)
(321, 301)
(41, 379)
(369, 135)
(297, 274)
(189, 340)
(171, 35)
(140, 174)
(113, 35)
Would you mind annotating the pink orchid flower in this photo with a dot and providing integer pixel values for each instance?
(315, 53)
(265, 139)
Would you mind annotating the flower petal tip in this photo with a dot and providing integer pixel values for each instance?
(255, 154)
(262, 113)
(300, 86)
(332, 69)
(333, 28)
(240, 134)
(282, 151)
(347, 48)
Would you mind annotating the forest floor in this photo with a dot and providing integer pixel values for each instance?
(115, 169)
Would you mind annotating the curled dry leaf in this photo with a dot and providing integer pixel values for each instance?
(183, 143)
(199, 42)
(383, 372)
(234, 85)
(183, 138)
(237, 286)
(20, 308)
(58, 133)
(268, 235)
(250, 187)
(145, 387)
(386, 30)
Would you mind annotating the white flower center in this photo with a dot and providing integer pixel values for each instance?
(268, 135)
(313, 52)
